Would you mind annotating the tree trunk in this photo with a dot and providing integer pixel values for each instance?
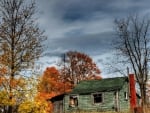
(143, 94)
(10, 109)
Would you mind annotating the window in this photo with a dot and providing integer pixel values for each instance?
(125, 96)
(73, 102)
(98, 98)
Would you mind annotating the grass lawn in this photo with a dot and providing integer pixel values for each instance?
(146, 110)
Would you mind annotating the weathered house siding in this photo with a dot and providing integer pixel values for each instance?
(58, 103)
(124, 102)
(86, 103)
(112, 94)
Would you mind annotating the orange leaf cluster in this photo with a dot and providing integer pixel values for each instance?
(52, 84)
(79, 66)
(3, 70)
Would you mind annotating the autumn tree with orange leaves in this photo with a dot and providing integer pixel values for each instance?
(51, 84)
(77, 66)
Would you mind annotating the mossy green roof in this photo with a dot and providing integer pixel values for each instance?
(103, 85)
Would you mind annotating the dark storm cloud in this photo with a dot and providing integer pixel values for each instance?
(84, 25)
(90, 44)
(58, 16)
(75, 10)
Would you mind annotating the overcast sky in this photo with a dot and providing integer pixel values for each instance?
(83, 25)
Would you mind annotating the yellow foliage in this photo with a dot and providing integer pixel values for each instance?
(37, 106)
(4, 99)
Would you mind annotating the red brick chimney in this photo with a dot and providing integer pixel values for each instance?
(133, 101)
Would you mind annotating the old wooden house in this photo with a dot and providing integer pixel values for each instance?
(111, 94)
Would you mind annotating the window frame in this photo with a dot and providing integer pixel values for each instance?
(75, 104)
(126, 96)
(93, 98)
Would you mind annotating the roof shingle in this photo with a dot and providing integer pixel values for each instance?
(103, 85)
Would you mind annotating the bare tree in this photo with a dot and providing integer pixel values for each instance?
(20, 38)
(133, 45)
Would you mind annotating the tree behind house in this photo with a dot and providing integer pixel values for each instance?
(77, 66)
